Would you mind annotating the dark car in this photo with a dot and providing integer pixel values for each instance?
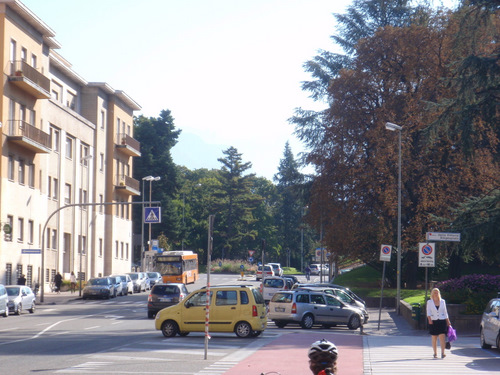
(99, 287)
(165, 295)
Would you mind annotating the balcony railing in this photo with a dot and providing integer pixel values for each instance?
(28, 136)
(127, 185)
(29, 79)
(128, 145)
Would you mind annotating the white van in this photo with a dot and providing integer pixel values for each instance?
(4, 299)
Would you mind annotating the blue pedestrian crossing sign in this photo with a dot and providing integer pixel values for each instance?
(152, 215)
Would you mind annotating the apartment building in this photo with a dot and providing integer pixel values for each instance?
(67, 153)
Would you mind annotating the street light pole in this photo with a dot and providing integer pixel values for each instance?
(392, 127)
(150, 191)
(147, 178)
(80, 245)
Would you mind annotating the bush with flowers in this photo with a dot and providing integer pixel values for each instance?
(472, 290)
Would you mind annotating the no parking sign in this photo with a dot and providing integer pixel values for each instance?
(426, 254)
(385, 253)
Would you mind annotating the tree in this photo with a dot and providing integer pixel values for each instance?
(158, 136)
(234, 205)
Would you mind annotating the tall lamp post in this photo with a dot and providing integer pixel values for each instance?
(83, 161)
(157, 178)
(147, 178)
(393, 127)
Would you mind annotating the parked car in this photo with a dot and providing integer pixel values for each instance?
(4, 299)
(20, 298)
(233, 308)
(140, 280)
(117, 283)
(154, 277)
(307, 308)
(99, 287)
(343, 296)
(165, 295)
(127, 285)
(489, 330)
(268, 271)
(278, 271)
(271, 285)
(329, 285)
(315, 269)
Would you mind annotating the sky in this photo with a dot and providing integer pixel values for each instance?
(230, 71)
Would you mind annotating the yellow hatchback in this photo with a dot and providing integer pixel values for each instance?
(233, 308)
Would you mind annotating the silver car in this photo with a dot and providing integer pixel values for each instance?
(490, 325)
(307, 308)
(154, 278)
(140, 280)
(4, 299)
(20, 298)
(117, 282)
(127, 284)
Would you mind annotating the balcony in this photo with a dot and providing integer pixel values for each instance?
(28, 136)
(29, 79)
(128, 145)
(127, 185)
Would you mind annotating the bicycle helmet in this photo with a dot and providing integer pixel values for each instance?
(323, 351)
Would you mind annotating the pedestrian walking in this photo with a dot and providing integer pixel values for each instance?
(437, 317)
(323, 358)
(72, 280)
(58, 281)
(21, 280)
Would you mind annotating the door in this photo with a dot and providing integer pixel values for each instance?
(320, 309)
(193, 313)
(226, 311)
(338, 314)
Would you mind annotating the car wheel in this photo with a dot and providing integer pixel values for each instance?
(6, 313)
(19, 309)
(280, 324)
(481, 339)
(169, 328)
(354, 322)
(307, 321)
(32, 310)
(243, 329)
(151, 315)
(183, 334)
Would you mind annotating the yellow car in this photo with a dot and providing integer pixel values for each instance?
(233, 308)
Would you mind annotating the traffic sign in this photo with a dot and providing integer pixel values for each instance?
(250, 259)
(426, 254)
(251, 252)
(385, 253)
(442, 236)
(31, 251)
(152, 215)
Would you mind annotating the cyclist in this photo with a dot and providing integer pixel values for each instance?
(323, 358)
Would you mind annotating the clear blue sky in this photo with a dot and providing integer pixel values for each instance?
(229, 70)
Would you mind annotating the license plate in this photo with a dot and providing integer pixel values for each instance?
(279, 309)
(165, 299)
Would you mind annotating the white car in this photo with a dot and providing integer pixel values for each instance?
(127, 284)
(278, 271)
(490, 325)
(271, 285)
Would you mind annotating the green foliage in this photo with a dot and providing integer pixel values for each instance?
(364, 276)
(232, 266)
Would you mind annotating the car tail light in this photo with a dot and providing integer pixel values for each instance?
(150, 298)
(261, 288)
(254, 310)
(294, 308)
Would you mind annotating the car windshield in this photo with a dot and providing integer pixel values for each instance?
(152, 275)
(98, 282)
(165, 289)
(134, 276)
(274, 283)
(12, 291)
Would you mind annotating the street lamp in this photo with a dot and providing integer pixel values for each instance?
(393, 127)
(150, 179)
(83, 162)
(147, 178)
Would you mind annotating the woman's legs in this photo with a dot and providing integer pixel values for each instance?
(434, 344)
(442, 342)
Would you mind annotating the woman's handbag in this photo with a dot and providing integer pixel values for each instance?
(452, 334)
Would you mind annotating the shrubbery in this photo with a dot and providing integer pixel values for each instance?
(472, 290)
(232, 266)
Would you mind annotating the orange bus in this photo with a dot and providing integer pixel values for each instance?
(178, 266)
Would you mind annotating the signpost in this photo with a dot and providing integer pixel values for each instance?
(442, 236)
(426, 258)
(385, 256)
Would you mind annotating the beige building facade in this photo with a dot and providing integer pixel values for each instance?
(67, 153)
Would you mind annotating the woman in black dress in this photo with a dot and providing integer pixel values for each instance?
(437, 316)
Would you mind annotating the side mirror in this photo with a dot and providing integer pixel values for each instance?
(188, 304)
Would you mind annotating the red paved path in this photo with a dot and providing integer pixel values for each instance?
(288, 355)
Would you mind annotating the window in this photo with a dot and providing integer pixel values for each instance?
(20, 224)
(54, 239)
(121, 250)
(13, 48)
(100, 247)
(116, 249)
(20, 172)
(101, 200)
(10, 168)
(56, 91)
(84, 244)
(34, 61)
(31, 231)
(10, 221)
(49, 191)
(54, 136)
(84, 153)
(103, 119)
(67, 194)
(126, 251)
(71, 100)
(101, 162)
(31, 175)
(225, 297)
(48, 238)
(56, 189)
(24, 54)
(69, 147)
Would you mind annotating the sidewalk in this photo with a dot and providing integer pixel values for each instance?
(54, 298)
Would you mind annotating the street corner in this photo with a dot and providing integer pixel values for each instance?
(287, 354)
